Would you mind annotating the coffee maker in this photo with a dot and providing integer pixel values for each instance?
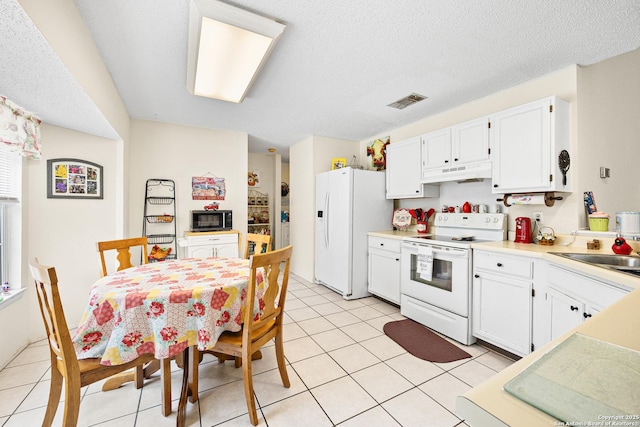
(523, 230)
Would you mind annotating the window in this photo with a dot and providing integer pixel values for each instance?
(10, 190)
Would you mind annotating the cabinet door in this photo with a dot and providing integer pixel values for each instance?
(403, 169)
(564, 313)
(384, 274)
(502, 312)
(470, 141)
(200, 251)
(436, 149)
(226, 251)
(521, 146)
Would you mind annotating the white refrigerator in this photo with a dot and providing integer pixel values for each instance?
(349, 203)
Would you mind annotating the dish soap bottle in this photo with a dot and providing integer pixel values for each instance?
(621, 247)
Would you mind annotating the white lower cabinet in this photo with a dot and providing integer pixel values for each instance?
(205, 245)
(502, 301)
(521, 303)
(384, 268)
(564, 312)
(572, 298)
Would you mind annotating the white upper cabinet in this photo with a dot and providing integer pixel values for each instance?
(526, 143)
(403, 171)
(471, 141)
(436, 149)
(456, 153)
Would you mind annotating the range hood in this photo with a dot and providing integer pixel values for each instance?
(470, 171)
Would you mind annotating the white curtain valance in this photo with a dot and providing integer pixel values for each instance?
(19, 129)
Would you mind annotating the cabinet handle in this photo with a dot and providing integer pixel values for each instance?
(495, 185)
(397, 259)
(446, 161)
(455, 160)
(499, 264)
(381, 244)
(477, 276)
(574, 308)
(586, 315)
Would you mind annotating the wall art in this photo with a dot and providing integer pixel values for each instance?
(74, 179)
(338, 163)
(377, 150)
(207, 188)
(253, 178)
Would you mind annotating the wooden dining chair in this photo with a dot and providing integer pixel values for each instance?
(261, 243)
(123, 247)
(255, 333)
(64, 363)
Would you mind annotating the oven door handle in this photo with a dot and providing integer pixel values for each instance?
(456, 253)
(439, 250)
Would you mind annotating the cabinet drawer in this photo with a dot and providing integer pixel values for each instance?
(212, 239)
(392, 245)
(498, 263)
(596, 293)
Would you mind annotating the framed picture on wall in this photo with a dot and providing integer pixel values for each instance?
(338, 163)
(74, 179)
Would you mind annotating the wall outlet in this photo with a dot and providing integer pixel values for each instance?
(537, 216)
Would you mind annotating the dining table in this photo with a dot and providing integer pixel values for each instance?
(165, 308)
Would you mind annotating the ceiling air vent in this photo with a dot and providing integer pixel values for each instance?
(403, 103)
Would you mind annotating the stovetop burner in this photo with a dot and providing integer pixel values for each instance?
(461, 230)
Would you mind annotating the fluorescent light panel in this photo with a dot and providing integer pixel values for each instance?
(227, 48)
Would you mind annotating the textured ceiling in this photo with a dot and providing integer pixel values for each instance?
(336, 67)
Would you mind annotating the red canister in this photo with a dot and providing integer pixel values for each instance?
(523, 230)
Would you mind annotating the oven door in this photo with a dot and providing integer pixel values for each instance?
(449, 286)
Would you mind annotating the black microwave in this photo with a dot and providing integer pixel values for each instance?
(214, 220)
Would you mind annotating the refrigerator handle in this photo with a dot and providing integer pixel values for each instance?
(326, 220)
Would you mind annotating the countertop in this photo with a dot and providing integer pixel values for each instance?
(578, 245)
(396, 234)
(205, 233)
(489, 405)
(564, 244)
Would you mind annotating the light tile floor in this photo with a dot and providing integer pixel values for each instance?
(343, 370)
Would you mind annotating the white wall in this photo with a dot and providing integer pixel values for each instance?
(63, 232)
(168, 151)
(609, 133)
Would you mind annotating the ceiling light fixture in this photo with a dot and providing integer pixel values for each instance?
(227, 48)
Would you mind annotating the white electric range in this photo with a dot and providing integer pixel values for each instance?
(435, 282)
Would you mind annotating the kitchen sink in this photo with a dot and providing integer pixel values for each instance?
(621, 263)
(608, 260)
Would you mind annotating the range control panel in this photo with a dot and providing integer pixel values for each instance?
(475, 221)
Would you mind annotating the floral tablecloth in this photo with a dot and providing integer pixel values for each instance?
(163, 307)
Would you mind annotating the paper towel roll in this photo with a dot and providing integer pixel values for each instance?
(628, 222)
(526, 199)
